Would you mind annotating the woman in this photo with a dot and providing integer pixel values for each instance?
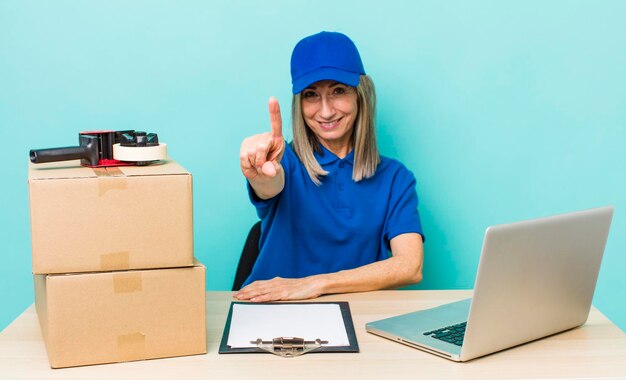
(331, 207)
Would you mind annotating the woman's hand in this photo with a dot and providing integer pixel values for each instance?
(260, 155)
(282, 289)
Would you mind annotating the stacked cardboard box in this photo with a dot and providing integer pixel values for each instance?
(112, 252)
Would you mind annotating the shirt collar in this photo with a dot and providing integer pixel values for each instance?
(326, 157)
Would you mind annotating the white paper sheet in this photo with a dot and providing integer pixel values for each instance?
(309, 321)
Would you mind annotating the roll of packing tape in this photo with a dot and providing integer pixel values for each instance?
(143, 153)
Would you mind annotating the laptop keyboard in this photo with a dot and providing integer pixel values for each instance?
(452, 334)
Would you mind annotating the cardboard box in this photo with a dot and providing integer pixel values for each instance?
(109, 317)
(105, 219)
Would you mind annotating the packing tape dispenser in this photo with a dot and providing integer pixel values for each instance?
(107, 148)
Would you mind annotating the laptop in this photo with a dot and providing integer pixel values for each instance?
(535, 278)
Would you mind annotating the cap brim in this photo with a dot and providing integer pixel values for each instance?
(325, 73)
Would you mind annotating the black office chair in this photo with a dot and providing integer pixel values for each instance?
(248, 256)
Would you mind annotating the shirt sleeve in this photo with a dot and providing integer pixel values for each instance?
(263, 206)
(403, 215)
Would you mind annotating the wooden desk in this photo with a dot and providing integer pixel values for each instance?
(598, 349)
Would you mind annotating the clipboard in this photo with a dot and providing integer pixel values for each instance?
(344, 308)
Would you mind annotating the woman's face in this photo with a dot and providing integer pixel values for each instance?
(329, 109)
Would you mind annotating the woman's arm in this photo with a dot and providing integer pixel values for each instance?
(404, 267)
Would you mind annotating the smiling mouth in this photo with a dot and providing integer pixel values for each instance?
(329, 124)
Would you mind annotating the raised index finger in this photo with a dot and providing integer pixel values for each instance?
(275, 118)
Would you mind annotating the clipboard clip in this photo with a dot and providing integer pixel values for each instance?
(289, 347)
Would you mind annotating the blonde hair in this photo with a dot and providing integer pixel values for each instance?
(366, 156)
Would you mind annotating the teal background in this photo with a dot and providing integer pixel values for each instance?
(503, 110)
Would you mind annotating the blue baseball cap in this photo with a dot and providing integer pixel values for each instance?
(325, 56)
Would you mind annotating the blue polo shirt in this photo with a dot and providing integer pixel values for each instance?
(341, 224)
